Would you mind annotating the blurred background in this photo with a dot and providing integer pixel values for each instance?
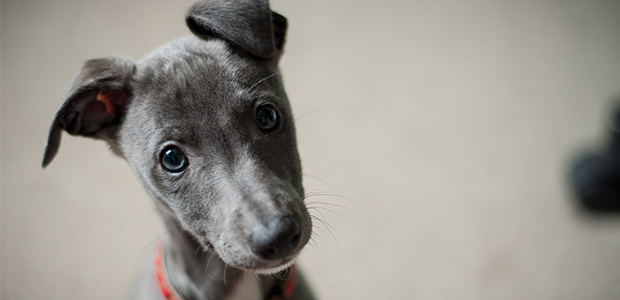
(450, 125)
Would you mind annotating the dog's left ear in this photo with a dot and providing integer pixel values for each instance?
(248, 24)
(94, 103)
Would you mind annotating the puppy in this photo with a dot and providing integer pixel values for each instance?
(205, 124)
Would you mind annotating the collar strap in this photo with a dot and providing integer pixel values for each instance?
(283, 291)
(161, 276)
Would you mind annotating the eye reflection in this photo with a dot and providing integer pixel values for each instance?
(173, 160)
(266, 118)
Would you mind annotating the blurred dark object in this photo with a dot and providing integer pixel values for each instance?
(596, 177)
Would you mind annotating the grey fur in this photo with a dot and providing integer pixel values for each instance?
(200, 94)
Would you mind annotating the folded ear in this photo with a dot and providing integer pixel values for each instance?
(248, 24)
(94, 102)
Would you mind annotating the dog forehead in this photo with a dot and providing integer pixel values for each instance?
(194, 72)
(192, 79)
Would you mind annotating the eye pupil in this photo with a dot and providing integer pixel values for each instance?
(173, 160)
(266, 118)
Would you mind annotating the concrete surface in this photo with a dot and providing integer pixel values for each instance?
(449, 124)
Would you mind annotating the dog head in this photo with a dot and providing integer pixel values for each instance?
(206, 126)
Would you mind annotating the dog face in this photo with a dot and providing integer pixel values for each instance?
(205, 124)
(234, 171)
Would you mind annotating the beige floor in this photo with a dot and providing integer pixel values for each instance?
(449, 125)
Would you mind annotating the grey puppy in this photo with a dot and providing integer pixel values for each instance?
(206, 126)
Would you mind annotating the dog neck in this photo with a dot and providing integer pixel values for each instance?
(194, 272)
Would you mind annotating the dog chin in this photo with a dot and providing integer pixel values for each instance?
(274, 270)
(267, 268)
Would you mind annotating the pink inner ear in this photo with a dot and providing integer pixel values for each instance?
(112, 100)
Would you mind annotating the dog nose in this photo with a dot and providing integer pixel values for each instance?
(277, 239)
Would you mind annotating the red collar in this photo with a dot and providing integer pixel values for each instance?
(286, 289)
(161, 275)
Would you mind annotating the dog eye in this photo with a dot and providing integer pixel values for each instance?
(173, 160)
(266, 118)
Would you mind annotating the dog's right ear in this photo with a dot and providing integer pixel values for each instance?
(94, 103)
(248, 24)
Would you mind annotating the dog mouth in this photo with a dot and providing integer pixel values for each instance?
(251, 262)
(242, 256)
(276, 268)
(266, 247)
(257, 265)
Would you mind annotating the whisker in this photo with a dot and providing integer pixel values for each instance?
(288, 274)
(315, 194)
(196, 253)
(313, 111)
(316, 233)
(259, 82)
(155, 240)
(207, 272)
(326, 193)
(327, 203)
(312, 243)
(318, 179)
(130, 196)
(317, 210)
(225, 267)
(277, 276)
(327, 226)
(324, 208)
(314, 226)
(258, 277)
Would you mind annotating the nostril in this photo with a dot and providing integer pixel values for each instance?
(267, 252)
(295, 240)
(277, 239)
